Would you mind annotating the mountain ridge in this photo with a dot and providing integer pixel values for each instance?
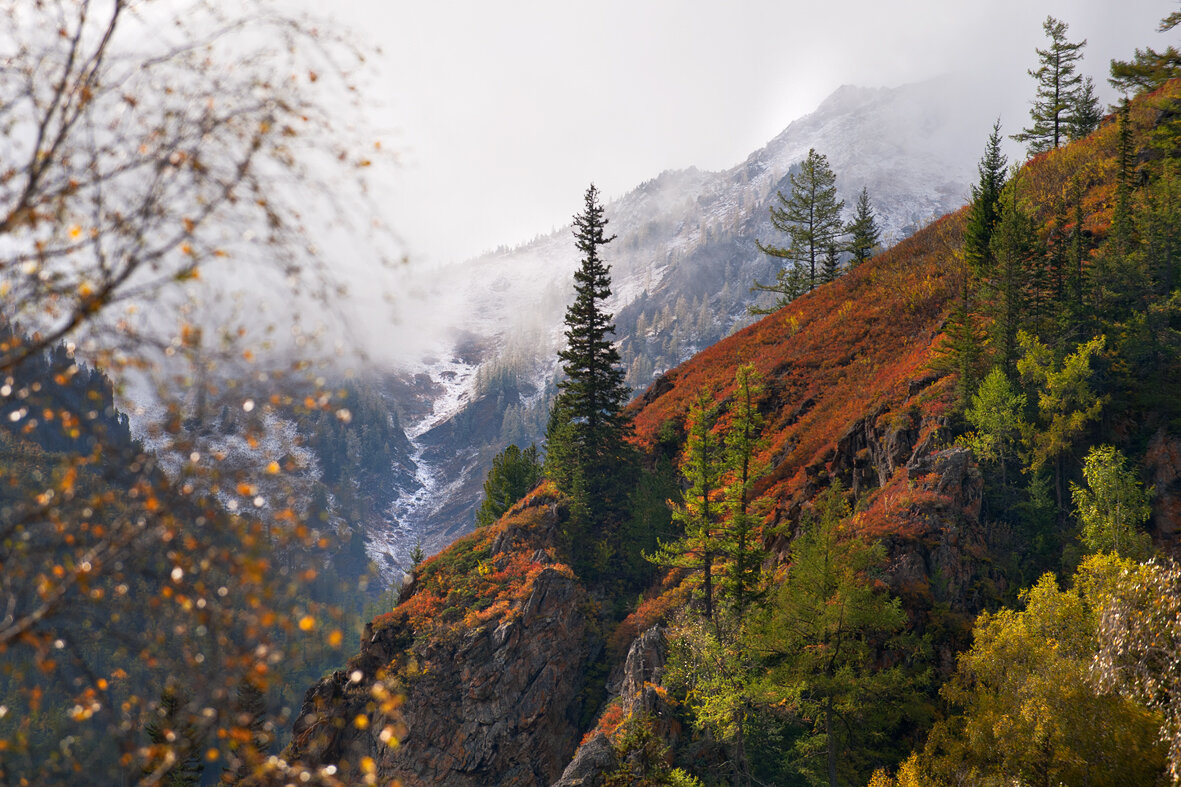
(682, 266)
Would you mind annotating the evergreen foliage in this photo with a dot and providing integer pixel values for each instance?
(699, 512)
(1122, 229)
(830, 267)
(176, 743)
(825, 625)
(963, 351)
(586, 450)
(863, 231)
(985, 210)
(1086, 114)
(1148, 69)
(1015, 248)
(1060, 91)
(811, 218)
(513, 474)
(741, 542)
(252, 733)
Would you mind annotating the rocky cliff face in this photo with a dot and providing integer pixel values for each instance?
(447, 693)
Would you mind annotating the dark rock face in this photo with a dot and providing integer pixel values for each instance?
(635, 684)
(496, 706)
(1163, 460)
(592, 762)
(946, 555)
(495, 703)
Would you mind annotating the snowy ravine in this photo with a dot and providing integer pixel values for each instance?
(391, 546)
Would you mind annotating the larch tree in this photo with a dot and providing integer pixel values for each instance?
(741, 539)
(1067, 402)
(1112, 506)
(820, 639)
(1148, 69)
(811, 218)
(586, 448)
(699, 549)
(1059, 89)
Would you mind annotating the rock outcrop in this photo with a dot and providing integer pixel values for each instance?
(491, 699)
(637, 693)
(1163, 461)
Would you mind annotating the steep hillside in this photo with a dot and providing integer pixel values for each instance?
(854, 393)
(478, 627)
(682, 267)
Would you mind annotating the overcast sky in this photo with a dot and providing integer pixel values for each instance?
(502, 112)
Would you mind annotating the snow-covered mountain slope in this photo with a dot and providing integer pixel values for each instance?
(682, 265)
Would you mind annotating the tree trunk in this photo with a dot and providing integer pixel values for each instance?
(832, 746)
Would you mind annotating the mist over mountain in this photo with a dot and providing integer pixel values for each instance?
(486, 331)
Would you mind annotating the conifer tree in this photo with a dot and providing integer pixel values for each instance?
(831, 267)
(822, 635)
(1121, 220)
(585, 438)
(864, 234)
(251, 736)
(1067, 402)
(965, 340)
(513, 474)
(811, 217)
(1148, 69)
(1058, 92)
(1085, 114)
(176, 743)
(1014, 246)
(985, 211)
(699, 511)
(741, 544)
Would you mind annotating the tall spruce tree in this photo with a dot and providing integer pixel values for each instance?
(176, 743)
(514, 473)
(811, 217)
(1015, 248)
(985, 211)
(1059, 90)
(586, 436)
(964, 347)
(864, 235)
(1086, 113)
